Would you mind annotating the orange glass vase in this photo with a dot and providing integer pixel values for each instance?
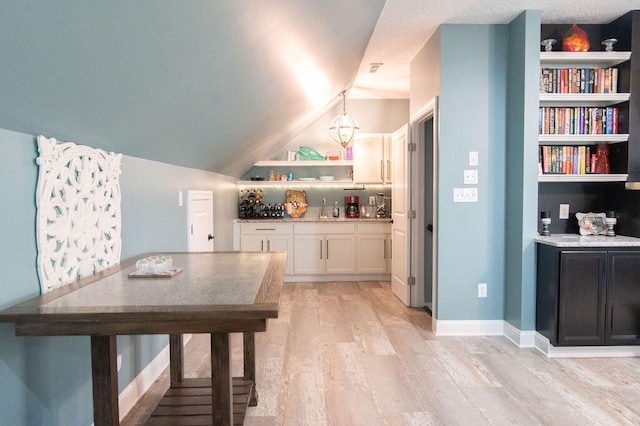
(575, 40)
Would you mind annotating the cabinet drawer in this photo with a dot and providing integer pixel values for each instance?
(374, 228)
(266, 228)
(324, 228)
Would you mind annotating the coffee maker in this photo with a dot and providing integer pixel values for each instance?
(351, 203)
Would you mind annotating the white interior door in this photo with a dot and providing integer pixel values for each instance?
(200, 212)
(400, 209)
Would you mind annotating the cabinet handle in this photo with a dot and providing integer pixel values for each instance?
(385, 250)
(265, 229)
(320, 249)
(269, 245)
(262, 245)
(381, 170)
(327, 249)
(389, 170)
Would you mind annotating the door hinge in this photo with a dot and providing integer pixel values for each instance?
(411, 214)
(412, 147)
(411, 281)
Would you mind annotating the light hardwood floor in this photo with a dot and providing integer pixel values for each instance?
(351, 354)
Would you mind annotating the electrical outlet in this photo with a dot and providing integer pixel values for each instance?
(470, 177)
(372, 200)
(482, 290)
(564, 211)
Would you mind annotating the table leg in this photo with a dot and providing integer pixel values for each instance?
(221, 382)
(249, 356)
(104, 369)
(176, 358)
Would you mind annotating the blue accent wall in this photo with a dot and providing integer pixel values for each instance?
(47, 380)
(522, 170)
(471, 236)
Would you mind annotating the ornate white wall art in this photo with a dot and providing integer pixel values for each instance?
(78, 219)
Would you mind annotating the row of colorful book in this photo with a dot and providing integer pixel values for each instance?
(578, 80)
(571, 160)
(578, 120)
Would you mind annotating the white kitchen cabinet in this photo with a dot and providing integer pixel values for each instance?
(372, 158)
(268, 237)
(374, 248)
(324, 248)
(309, 254)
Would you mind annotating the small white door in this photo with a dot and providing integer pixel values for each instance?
(400, 207)
(200, 220)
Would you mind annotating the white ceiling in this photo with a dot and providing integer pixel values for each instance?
(405, 25)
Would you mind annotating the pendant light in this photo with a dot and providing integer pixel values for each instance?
(344, 127)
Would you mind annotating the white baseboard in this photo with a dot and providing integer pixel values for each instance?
(468, 328)
(130, 395)
(522, 339)
(543, 345)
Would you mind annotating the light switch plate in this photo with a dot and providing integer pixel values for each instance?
(473, 158)
(471, 177)
(465, 195)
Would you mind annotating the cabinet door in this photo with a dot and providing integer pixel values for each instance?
(372, 253)
(309, 257)
(368, 160)
(581, 316)
(623, 298)
(340, 254)
(282, 243)
(252, 243)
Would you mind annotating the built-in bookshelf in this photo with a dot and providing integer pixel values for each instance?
(579, 109)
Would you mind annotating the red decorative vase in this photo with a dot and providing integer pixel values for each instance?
(602, 162)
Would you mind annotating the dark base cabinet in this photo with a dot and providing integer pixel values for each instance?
(588, 296)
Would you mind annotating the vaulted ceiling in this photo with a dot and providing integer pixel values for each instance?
(217, 84)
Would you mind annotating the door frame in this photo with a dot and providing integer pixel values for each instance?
(416, 125)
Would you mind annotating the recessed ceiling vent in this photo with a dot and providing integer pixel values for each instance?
(374, 67)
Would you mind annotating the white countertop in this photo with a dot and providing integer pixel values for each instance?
(577, 240)
(316, 219)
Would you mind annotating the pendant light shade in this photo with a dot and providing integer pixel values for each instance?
(344, 127)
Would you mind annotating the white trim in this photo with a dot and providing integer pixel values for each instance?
(337, 277)
(522, 339)
(543, 345)
(130, 395)
(468, 328)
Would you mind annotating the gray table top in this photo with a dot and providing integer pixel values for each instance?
(220, 289)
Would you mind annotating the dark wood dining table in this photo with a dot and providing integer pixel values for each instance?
(216, 293)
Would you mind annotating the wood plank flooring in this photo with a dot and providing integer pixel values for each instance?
(349, 353)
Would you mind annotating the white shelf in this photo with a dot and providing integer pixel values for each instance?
(319, 163)
(581, 139)
(582, 99)
(582, 59)
(582, 178)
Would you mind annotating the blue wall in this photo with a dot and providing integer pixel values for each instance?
(48, 380)
(471, 236)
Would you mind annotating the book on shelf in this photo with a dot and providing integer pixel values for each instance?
(578, 120)
(570, 160)
(578, 80)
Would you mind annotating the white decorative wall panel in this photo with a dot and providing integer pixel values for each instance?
(78, 221)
